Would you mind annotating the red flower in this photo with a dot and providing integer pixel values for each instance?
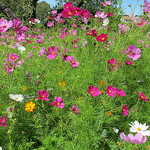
(103, 37)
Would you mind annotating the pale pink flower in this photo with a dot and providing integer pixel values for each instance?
(5, 25)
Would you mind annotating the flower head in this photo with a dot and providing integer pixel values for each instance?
(103, 37)
(137, 139)
(5, 25)
(124, 110)
(139, 128)
(105, 22)
(43, 95)
(3, 121)
(142, 96)
(17, 97)
(111, 91)
(94, 91)
(120, 92)
(75, 109)
(128, 62)
(51, 53)
(30, 106)
(58, 102)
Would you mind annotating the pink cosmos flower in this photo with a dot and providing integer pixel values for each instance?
(123, 28)
(101, 14)
(142, 96)
(128, 62)
(43, 95)
(67, 13)
(111, 91)
(50, 24)
(3, 121)
(73, 31)
(63, 35)
(20, 62)
(73, 62)
(84, 13)
(54, 12)
(113, 64)
(51, 53)
(103, 4)
(120, 92)
(9, 67)
(5, 25)
(124, 110)
(94, 91)
(137, 139)
(75, 109)
(109, 14)
(42, 51)
(13, 57)
(133, 52)
(140, 22)
(58, 102)
(108, 2)
(76, 11)
(68, 5)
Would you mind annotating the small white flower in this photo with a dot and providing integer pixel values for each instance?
(139, 128)
(17, 97)
(105, 22)
(21, 48)
(9, 112)
(0, 148)
(95, 16)
(116, 130)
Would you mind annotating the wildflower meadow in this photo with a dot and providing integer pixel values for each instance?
(82, 82)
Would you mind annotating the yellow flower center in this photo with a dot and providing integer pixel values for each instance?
(76, 11)
(42, 96)
(109, 91)
(92, 92)
(131, 53)
(4, 26)
(103, 38)
(16, 98)
(83, 14)
(139, 129)
(57, 103)
(13, 57)
(141, 96)
(123, 110)
(69, 13)
(73, 62)
(53, 53)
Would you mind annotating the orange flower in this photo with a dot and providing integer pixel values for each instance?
(101, 83)
(59, 72)
(102, 91)
(108, 113)
(30, 106)
(90, 103)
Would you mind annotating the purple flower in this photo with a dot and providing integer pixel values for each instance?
(137, 139)
(133, 52)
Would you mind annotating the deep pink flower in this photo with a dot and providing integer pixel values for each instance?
(102, 38)
(141, 22)
(113, 64)
(133, 52)
(124, 110)
(120, 92)
(67, 13)
(68, 5)
(137, 139)
(109, 14)
(93, 32)
(94, 91)
(111, 91)
(9, 67)
(43, 95)
(51, 53)
(3, 121)
(103, 4)
(63, 35)
(13, 57)
(76, 11)
(73, 62)
(142, 96)
(84, 13)
(58, 102)
(75, 109)
(5, 25)
(128, 62)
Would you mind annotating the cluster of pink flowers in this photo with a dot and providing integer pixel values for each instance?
(146, 8)
(113, 64)
(69, 11)
(111, 91)
(10, 63)
(141, 22)
(123, 28)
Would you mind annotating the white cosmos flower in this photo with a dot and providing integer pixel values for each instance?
(116, 130)
(0, 148)
(21, 48)
(139, 128)
(105, 22)
(17, 97)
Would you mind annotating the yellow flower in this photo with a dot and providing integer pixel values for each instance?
(62, 84)
(30, 106)
(25, 88)
(101, 83)
(90, 103)
(59, 72)
(80, 98)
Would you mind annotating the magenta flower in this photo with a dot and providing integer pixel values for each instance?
(113, 64)
(51, 53)
(13, 57)
(133, 52)
(63, 35)
(3, 121)
(42, 51)
(108, 2)
(9, 67)
(124, 110)
(111, 91)
(103, 4)
(58, 102)
(75, 109)
(137, 139)
(43, 95)
(94, 91)
(142, 96)
(73, 62)
(128, 62)
(141, 22)
(5, 25)
(120, 92)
